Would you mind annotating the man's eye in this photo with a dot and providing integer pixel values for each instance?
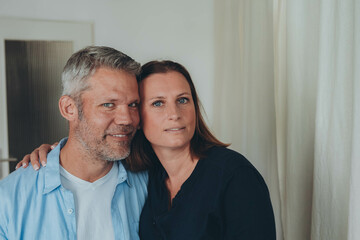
(108, 105)
(157, 104)
(183, 100)
(133, 105)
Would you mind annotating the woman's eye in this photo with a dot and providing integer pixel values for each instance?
(183, 100)
(157, 104)
(108, 105)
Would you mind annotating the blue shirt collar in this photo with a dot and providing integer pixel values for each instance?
(52, 169)
(122, 174)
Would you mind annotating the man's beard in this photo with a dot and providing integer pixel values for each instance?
(98, 147)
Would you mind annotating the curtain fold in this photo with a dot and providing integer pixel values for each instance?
(335, 125)
(354, 206)
(288, 96)
(244, 89)
(280, 99)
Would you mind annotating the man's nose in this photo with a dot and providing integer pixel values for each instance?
(123, 116)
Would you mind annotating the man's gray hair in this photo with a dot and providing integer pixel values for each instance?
(83, 64)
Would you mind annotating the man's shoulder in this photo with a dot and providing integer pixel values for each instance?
(25, 196)
(16, 190)
(21, 181)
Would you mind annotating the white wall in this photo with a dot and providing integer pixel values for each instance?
(180, 30)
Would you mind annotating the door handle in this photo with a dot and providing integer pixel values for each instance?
(8, 160)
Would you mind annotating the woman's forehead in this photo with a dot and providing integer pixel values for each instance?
(170, 81)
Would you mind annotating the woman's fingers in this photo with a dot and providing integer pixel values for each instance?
(43, 151)
(24, 162)
(34, 158)
(38, 155)
(54, 145)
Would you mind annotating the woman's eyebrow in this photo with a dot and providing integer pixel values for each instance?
(157, 97)
(182, 94)
(162, 97)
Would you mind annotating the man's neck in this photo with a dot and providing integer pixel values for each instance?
(76, 160)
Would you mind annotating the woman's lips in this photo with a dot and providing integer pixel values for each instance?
(174, 129)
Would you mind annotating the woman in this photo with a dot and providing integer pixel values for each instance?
(198, 189)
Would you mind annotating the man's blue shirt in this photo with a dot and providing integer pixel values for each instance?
(34, 204)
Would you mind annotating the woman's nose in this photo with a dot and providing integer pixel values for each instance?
(173, 112)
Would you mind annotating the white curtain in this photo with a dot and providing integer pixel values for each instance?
(287, 96)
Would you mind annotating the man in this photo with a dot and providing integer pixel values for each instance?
(84, 192)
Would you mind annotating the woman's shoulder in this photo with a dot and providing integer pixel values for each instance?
(227, 160)
(233, 167)
(223, 155)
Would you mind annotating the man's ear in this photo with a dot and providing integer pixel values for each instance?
(68, 108)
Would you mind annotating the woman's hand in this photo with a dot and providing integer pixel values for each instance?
(38, 155)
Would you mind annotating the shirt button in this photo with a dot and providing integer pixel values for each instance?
(70, 211)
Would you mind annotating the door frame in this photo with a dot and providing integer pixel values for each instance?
(80, 33)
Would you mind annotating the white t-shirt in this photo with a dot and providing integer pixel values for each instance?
(92, 204)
